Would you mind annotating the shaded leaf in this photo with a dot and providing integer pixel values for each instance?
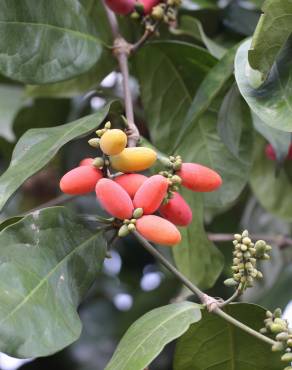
(11, 101)
(272, 190)
(215, 343)
(38, 146)
(49, 260)
(196, 256)
(234, 125)
(28, 27)
(147, 337)
(280, 140)
(272, 101)
(272, 32)
(192, 27)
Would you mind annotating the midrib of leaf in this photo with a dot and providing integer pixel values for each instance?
(78, 34)
(42, 281)
(151, 333)
(282, 88)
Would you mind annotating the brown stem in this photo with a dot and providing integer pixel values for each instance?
(121, 50)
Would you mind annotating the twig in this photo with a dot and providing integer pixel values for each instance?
(280, 241)
(210, 302)
(235, 295)
(121, 50)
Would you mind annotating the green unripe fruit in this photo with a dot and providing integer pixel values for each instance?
(138, 213)
(98, 162)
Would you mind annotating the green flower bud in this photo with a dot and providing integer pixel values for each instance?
(237, 237)
(124, 231)
(278, 347)
(176, 179)
(259, 275)
(246, 241)
(157, 13)
(245, 233)
(98, 133)
(94, 142)
(287, 357)
(133, 221)
(131, 227)
(243, 247)
(108, 125)
(269, 314)
(276, 328)
(138, 212)
(166, 162)
(289, 342)
(278, 312)
(282, 337)
(230, 282)
(177, 165)
(98, 162)
(288, 368)
(263, 331)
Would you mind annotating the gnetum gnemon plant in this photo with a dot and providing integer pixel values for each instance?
(198, 131)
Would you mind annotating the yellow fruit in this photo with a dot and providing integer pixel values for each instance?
(113, 142)
(134, 159)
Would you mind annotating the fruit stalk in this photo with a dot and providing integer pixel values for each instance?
(204, 298)
(121, 51)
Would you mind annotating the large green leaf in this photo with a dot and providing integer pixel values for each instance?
(147, 337)
(49, 260)
(272, 101)
(180, 75)
(11, 100)
(272, 190)
(38, 146)
(197, 257)
(213, 343)
(272, 31)
(44, 42)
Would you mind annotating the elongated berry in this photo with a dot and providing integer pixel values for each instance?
(86, 162)
(148, 5)
(177, 211)
(114, 199)
(151, 194)
(158, 230)
(121, 6)
(199, 178)
(133, 159)
(113, 142)
(80, 180)
(131, 182)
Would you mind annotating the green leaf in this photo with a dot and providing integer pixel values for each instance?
(272, 190)
(208, 91)
(213, 343)
(38, 146)
(165, 110)
(271, 101)
(9, 221)
(39, 45)
(272, 32)
(147, 337)
(49, 260)
(197, 257)
(192, 27)
(11, 101)
(234, 125)
(279, 140)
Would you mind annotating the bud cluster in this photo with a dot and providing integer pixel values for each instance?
(166, 12)
(246, 254)
(174, 163)
(130, 225)
(94, 142)
(274, 324)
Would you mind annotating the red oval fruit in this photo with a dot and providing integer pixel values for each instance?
(131, 182)
(114, 199)
(86, 162)
(158, 230)
(80, 180)
(199, 178)
(149, 4)
(121, 6)
(177, 211)
(151, 194)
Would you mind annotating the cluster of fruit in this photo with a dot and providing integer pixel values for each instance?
(246, 254)
(274, 324)
(271, 153)
(133, 198)
(155, 9)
